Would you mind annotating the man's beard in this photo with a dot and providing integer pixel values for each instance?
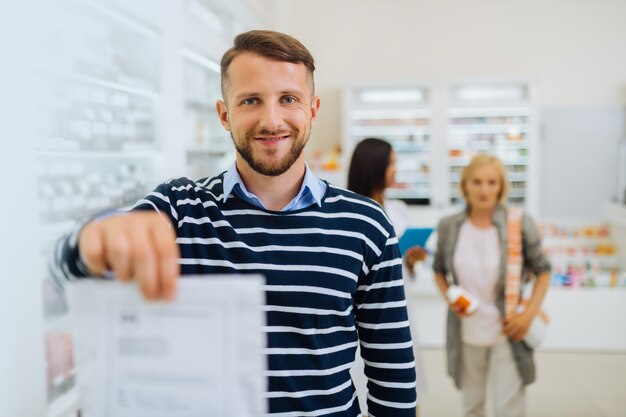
(267, 168)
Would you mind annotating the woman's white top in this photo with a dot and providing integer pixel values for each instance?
(477, 265)
(398, 213)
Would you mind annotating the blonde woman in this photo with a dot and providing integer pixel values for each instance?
(472, 253)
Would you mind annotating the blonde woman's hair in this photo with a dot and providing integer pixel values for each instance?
(480, 161)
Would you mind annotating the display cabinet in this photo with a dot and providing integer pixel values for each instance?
(496, 119)
(402, 116)
(442, 125)
(98, 144)
(126, 96)
(583, 254)
(209, 150)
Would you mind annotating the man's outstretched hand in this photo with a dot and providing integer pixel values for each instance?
(135, 245)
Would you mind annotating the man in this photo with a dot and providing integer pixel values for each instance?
(330, 257)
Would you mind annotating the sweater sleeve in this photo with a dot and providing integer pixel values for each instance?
(66, 264)
(533, 254)
(439, 264)
(385, 338)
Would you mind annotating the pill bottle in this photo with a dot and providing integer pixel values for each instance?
(462, 299)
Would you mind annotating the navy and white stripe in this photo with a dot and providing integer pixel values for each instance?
(331, 271)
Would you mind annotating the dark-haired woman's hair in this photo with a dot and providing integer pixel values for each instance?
(368, 166)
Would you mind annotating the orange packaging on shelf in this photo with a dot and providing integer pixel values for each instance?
(462, 299)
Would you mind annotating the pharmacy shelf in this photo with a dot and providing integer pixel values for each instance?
(615, 214)
(441, 126)
(472, 112)
(123, 154)
(151, 94)
(475, 129)
(390, 130)
(463, 161)
(115, 121)
(208, 146)
(98, 139)
(401, 115)
(386, 114)
(496, 119)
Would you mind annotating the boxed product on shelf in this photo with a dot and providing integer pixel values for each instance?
(582, 255)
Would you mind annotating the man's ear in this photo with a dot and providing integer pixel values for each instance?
(222, 112)
(315, 106)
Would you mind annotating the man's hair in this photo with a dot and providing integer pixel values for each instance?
(368, 166)
(269, 44)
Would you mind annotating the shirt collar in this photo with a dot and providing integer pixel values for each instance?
(231, 178)
(316, 187)
(310, 184)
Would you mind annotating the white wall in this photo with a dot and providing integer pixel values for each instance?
(579, 160)
(574, 50)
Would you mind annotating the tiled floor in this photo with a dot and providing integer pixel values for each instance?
(568, 385)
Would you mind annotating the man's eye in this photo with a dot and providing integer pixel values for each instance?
(250, 101)
(289, 100)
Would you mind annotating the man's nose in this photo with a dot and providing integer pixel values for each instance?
(271, 117)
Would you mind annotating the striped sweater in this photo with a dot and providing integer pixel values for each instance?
(333, 279)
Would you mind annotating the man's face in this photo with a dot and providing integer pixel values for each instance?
(269, 112)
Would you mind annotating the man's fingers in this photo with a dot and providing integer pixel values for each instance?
(91, 247)
(167, 254)
(118, 251)
(139, 245)
(144, 261)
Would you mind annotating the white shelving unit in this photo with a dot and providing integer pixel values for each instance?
(436, 128)
(497, 119)
(615, 214)
(402, 116)
(126, 98)
(98, 142)
(209, 149)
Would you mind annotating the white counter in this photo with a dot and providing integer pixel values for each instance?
(582, 319)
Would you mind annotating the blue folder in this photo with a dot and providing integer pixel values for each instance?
(414, 236)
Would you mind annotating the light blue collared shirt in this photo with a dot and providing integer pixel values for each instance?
(312, 190)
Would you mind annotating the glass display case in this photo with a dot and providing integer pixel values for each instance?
(209, 150)
(401, 116)
(437, 128)
(126, 97)
(582, 254)
(491, 119)
(97, 131)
